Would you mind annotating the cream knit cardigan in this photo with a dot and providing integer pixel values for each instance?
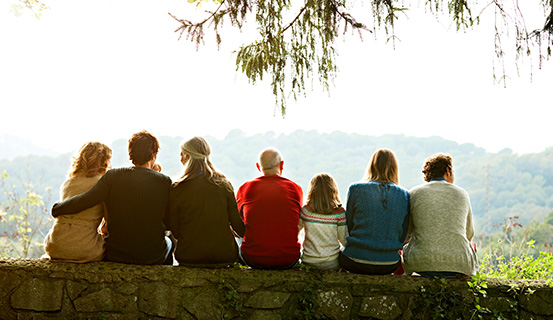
(441, 227)
(75, 238)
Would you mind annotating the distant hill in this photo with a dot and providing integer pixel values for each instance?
(12, 147)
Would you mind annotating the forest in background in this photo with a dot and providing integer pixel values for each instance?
(509, 192)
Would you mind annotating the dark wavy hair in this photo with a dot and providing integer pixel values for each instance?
(91, 160)
(142, 147)
(436, 166)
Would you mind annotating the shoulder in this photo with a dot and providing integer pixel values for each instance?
(151, 174)
(338, 216)
(362, 186)
(79, 181)
(359, 185)
(142, 174)
(246, 184)
(462, 192)
(398, 188)
(290, 182)
(293, 189)
(77, 185)
(438, 186)
(160, 176)
(418, 188)
(339, 211)
(118, 171)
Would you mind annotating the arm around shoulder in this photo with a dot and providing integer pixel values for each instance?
(83, 201)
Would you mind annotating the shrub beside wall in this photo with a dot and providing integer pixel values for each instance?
(38, 289)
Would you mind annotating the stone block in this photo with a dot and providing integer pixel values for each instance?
(74, 289)
(8, 281)
(380, 307)
(503, 304)
(267, 300)
(61, 275)
(248, 286)
(31, 295)
(103, 300)
(358, 290)
(41, 317)
(97, 277)
(540, 302)
(204, 304)
(127, 288)
(335, 303)
(191, 277)
(264, 315)
(159, 299)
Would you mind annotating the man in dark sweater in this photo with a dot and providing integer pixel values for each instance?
(136, 199)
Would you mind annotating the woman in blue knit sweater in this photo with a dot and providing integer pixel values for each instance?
(377, 217)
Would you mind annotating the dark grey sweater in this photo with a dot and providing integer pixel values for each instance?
(137, 200)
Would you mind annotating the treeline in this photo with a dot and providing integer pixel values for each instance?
(500, 184)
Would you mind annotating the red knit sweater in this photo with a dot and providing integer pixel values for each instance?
(270, 207)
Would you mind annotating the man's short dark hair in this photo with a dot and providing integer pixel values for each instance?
(142, 147)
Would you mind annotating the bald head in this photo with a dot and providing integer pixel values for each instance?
(270, 162)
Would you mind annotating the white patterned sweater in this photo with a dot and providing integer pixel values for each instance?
(324, 233)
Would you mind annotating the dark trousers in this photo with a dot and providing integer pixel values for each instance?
(244, 260)
(365, 268)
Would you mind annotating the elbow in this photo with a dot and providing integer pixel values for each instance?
(54, 210)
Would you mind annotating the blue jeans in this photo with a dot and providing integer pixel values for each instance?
(167, 258)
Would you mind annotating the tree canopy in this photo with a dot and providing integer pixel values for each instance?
(296, 39)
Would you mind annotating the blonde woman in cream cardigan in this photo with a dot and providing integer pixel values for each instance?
(77, 238)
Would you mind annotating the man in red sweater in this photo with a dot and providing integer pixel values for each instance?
(270, 207)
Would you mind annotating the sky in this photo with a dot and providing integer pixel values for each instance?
(105, 69)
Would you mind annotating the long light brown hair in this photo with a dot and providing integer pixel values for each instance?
(91, 160)
(322, 194)
(199, 150)
(383, 167)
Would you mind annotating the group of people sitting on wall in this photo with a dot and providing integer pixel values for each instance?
(137, 215)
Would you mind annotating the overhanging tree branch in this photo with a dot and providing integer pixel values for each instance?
(303, 48)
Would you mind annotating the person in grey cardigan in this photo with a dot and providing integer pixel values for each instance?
(441, 227)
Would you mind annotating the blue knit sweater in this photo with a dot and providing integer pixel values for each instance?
(377, 216)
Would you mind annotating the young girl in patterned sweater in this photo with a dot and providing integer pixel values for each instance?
(324, 220)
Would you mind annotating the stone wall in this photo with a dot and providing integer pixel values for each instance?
(38, 289)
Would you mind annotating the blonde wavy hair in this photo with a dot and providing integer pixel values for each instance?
(91, 160)
(383, 167)
(322, 194)
(199, 150)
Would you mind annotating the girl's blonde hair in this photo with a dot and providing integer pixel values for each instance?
(383, 167)
(322, 195)
(91, 160)
(199, 150)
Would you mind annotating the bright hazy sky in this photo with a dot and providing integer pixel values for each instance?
(101, 70)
